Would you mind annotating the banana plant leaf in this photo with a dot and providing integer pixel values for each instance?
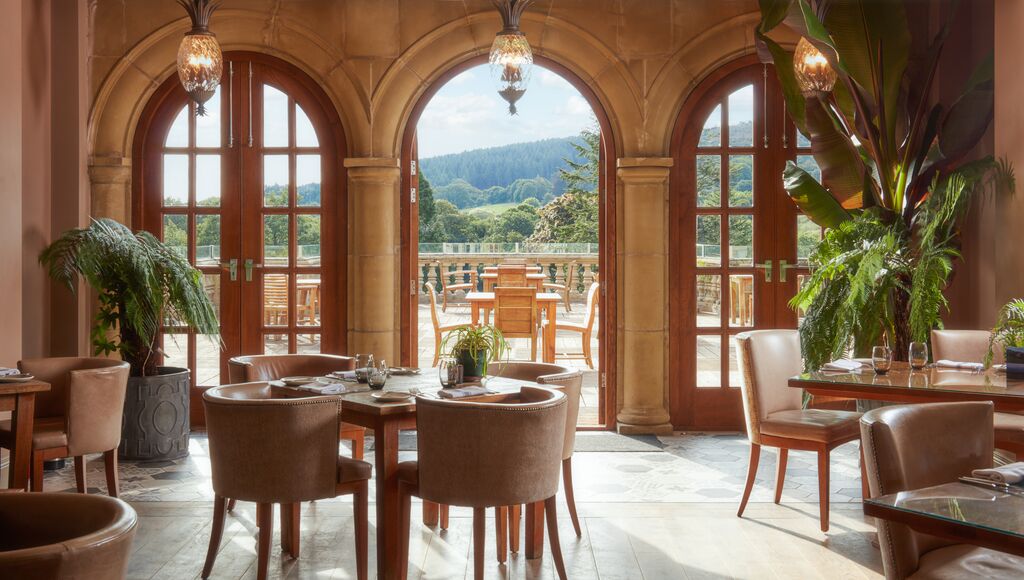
(969, 117)
(813, 200)
(841, 166)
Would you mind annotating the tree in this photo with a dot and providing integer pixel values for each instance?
(426, 201)
(572, 218)
(461, 193)
(583, 172)
(514, 225)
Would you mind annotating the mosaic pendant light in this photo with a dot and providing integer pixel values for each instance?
(511, 58)
(200, 61)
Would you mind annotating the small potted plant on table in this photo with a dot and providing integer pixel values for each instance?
(474, 347)
(1009, 332)
(142, 284)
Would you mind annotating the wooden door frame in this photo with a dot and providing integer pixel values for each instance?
(145, 173)
(409, 301)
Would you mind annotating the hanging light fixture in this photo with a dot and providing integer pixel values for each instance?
(813, 72)
(511, 58)
(200, 62)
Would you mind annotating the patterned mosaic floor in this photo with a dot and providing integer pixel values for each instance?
(689, 467)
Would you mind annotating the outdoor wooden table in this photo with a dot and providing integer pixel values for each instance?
(534, 279)
(959, 512)
(387, 420)
(20, 399)
(546, 301)
(930, 385)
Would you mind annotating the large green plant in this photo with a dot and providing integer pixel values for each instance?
(1009, 331)
(897, 173)
(141, 283)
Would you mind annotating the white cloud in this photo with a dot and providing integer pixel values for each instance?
(577, 105)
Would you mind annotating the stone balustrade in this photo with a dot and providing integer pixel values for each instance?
(555, 265)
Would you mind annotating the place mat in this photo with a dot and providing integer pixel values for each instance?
(586, 442)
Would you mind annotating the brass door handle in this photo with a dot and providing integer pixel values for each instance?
(232, 267)
(767, 267)
(783, 266)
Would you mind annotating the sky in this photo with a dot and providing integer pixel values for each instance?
(467, 113)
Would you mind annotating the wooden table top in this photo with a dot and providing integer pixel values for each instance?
(489, 297)
(33, 386)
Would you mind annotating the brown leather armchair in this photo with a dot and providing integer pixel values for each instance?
(775, 415)
(298, 463)
(80, 414)
(972, 346)
(499, 453)
(64, 535)
(914, 446)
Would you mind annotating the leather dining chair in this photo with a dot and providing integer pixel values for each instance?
(476, 454)
(65, 535)
(972, 346)
(300, 462)
(80, 414)
(774, 412)
(914, 446)
(436, 320)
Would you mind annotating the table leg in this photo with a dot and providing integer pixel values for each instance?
(549, 333)
(475, 313)
(21, 452)
(431, 512)
(534, 530)
(386, 456)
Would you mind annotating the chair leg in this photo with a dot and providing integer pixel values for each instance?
(823, 480)
(216, 535)
(865, 490)
(755, 457)
(586, 349)
(551, 511)
(501, 532)
(80, 479)
(231, 505)
(361, 510)
(110, 465)
(265, 523)
(533, 347)
(37, 472)
(514, 518)
(780, 473)
(479, 537)
(358, 444)
(444, 300)
(443, 516)
(569, 497)
(290, 526)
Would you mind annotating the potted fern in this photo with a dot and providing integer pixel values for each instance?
(141, 284)
(474, 347)
(1009, 333)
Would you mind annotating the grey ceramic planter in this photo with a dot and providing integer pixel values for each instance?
(156, 417)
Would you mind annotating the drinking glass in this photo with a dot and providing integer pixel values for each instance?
(363, 364)
(881, 359)
(377, 375)
(448, 372)
(918, 355)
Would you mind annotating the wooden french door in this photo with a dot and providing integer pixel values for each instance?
(253, 195)
(735, 261)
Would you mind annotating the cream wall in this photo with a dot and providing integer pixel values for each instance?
(374, 58)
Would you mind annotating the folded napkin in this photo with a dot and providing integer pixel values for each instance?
(328, 389)
(952, 364)
(463, 392)
(5, 372)
(343, 375)
(844, 365)
(1012, 473)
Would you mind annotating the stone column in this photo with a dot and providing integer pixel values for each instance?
(373, 261)
(110, 180)
(643, 293)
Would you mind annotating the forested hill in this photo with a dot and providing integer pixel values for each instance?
(501, 166)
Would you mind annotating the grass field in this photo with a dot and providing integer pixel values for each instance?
(493, 209)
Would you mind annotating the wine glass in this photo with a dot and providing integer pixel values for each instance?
(377, 375)
(881, 359)
(363, 364)
(918, 355)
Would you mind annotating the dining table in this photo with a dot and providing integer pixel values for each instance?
(20, 399)
(547, 303)
(902, 384)
(535, 279)
(958, 512)
(388, 419)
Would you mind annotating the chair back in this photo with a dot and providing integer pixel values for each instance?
(964, 346)
(89, 393)
(591, 308)
(511, 275)
(271, 367)
(65, 535)
(914, 446)
(560, 378)
(767, 360)
(269, 450)
(515, 312)
(433, 306)
(483, 454)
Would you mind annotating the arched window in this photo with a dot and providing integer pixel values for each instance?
(252, 195)
(739, 246)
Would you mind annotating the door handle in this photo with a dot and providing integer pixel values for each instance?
(232, 267)
(767, 267)
(249, 265)
(783, 266)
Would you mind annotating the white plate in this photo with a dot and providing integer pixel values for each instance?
(22, 378)
(392, 396)
(298, 381)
